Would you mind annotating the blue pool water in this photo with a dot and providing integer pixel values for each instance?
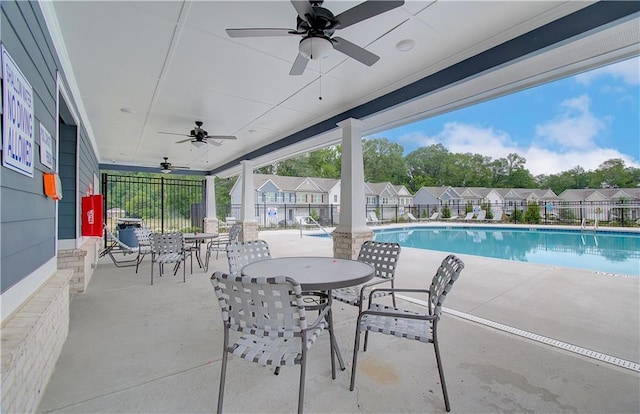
(609, 252)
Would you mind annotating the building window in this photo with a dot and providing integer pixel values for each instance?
(269, 197)
(317, 198)
(335, 198)
(301, 198)
(385, 200)
(371, 200)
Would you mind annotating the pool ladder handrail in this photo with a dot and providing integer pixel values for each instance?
(308, 221)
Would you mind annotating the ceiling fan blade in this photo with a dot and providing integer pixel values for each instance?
(299, 65)
(173, 133)
(214, 143)
(354, 51)
(221, 137)
(184, 140)
(259, 32)
(364, 11)
(176, 167)
(303, 7)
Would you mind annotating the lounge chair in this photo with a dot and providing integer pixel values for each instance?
(115, 245)
(454, 217)
(497, 216)
(434, 216)
(373, 218)
(481, 215)
(412, 217)
(468, 217)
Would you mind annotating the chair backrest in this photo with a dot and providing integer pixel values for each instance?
(382, 256)
(481, 215)
(167, 243)
(445, 276)
(372, 216)
(263, 306)
(240, 254)
(234, 232)
(143, 235)
(411, 216)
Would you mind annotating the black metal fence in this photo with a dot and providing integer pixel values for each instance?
(621, 213)
(163, 203)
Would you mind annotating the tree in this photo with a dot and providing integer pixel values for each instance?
(383, 161)
(430, 163)
(613, 173)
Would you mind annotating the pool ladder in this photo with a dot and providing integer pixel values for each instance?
(310, 222)
(583, 228)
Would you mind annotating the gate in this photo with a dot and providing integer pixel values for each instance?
(163, 204)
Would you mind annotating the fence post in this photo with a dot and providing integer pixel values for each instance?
(162, 204)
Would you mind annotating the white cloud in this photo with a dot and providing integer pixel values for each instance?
(628, 71)
(458, 137)
(576, 127)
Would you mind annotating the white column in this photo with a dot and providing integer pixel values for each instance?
(352, 194)
(210, 208)
(247, 214)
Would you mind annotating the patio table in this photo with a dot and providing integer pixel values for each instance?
(198, 238)
(316, 274)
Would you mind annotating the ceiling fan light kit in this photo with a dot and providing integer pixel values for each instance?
(198, 144)
(315, 47)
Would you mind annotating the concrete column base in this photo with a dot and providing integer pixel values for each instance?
(249, 231)
(346, 245)
(211, 225)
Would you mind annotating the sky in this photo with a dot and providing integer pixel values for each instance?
(581, 120)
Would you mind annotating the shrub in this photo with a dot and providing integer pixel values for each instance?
(532, 215)
(446, 211)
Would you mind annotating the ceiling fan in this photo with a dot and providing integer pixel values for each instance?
(166, 167)
(199, 136)
(316, 25)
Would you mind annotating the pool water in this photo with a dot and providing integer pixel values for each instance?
(608, 252)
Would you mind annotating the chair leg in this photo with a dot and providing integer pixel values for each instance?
(303, 368)
(356, 346)
(151, 273)
(184, 269)
(206, 260)
(223, 373)
(366, 333)
(440, 370)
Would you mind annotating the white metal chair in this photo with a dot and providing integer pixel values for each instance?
(168, 248)
(220, 244)
(384, 258)
(240, 254)
(143, 236)
(402, 323)
(266, 318)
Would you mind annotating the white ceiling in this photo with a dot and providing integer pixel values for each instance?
(172, 63)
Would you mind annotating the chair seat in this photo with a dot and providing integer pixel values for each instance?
(169, 258)
(278, 351)
(418, 330)
(351, 295)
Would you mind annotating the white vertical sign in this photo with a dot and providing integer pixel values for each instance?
(46, 147)
(17, 118)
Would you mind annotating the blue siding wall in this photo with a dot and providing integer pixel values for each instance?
(27, 218)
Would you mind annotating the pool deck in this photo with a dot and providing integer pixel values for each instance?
(133, 347)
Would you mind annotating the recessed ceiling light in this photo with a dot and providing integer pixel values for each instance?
(127, 110)
(405, 45)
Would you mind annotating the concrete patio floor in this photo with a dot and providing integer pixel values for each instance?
(133, 347)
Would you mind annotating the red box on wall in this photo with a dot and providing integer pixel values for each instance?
(92, 215)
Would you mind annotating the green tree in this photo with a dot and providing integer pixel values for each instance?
(430, 163)
(383, 161)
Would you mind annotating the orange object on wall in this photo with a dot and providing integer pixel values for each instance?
(52, 186)
(92, 216)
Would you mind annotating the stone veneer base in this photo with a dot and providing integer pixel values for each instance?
(32, 340)
(346, 245)
(249, 231)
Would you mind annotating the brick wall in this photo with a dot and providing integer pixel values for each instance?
(32, 339)
(82, 261)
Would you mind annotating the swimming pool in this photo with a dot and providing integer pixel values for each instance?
(609, 252)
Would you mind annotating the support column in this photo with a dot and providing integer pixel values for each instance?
(247, 214)
(211, 223)
(352, 230)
